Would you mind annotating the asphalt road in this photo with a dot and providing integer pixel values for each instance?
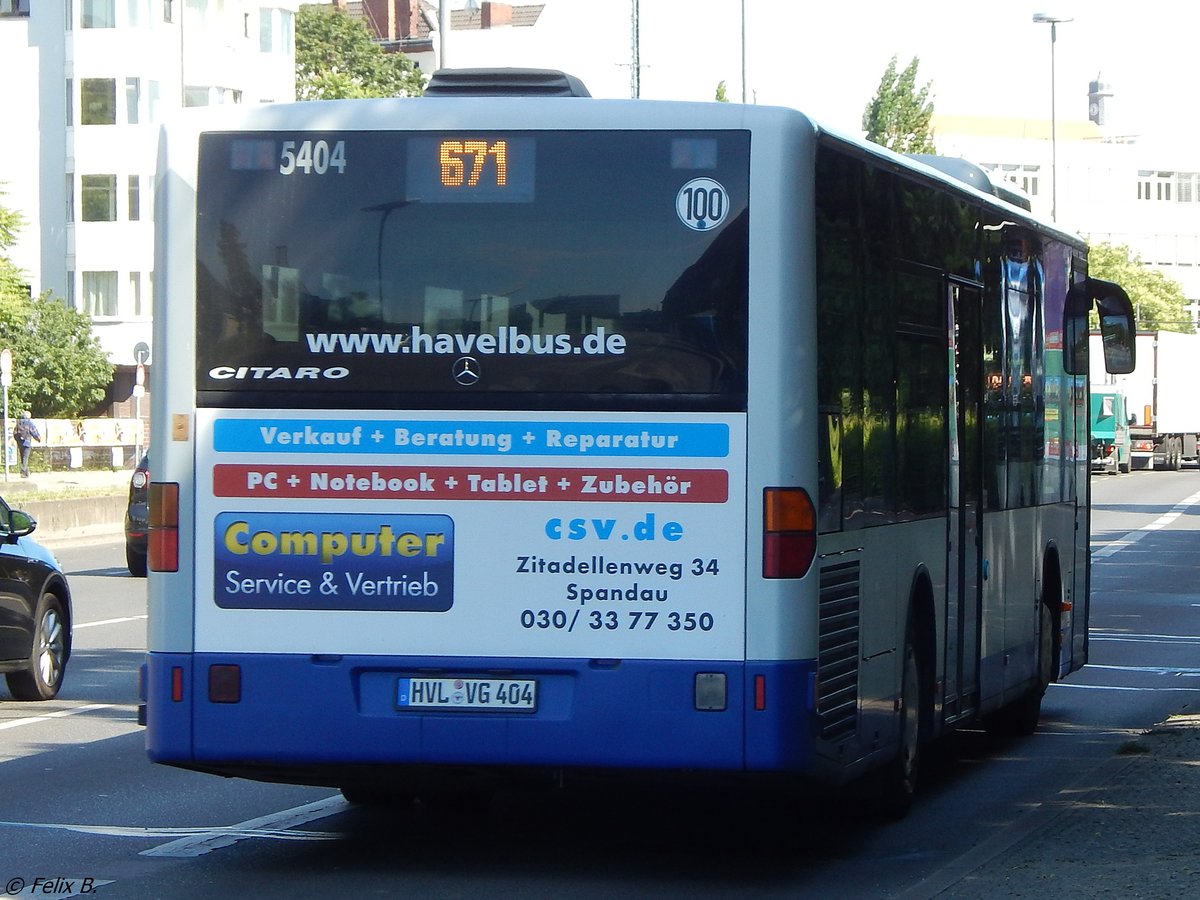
(79, 800)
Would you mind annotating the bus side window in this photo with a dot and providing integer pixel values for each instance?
(829, 471)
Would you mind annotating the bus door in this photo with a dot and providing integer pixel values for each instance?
(964, 588)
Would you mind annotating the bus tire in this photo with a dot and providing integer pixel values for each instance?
(376, 796)
(900, 777)
(1020, 718)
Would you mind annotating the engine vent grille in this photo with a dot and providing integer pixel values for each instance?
(837, 660)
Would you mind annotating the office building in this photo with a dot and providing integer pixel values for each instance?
(90, 82)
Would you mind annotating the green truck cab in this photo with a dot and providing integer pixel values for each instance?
(1110, 432)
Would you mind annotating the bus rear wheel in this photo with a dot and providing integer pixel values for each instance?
(900, 777)
(1020, 718)
(361, 794)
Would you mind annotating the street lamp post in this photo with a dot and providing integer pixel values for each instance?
(743, 51)
(443, 33)
(1052, 21)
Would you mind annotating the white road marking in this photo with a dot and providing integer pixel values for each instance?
(1119, 637)
(135, 831)
(1114, 687)
(196, 841)
(74, 711)
(79, 625)
(1157, 525)
(270, 826)
(1155, 670)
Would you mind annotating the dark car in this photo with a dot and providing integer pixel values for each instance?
(137, 518)
(35, 611)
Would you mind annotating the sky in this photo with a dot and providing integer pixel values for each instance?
(827, 58)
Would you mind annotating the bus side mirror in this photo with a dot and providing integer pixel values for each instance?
(1117, 329)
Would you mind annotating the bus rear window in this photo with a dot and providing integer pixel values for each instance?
(527, 263)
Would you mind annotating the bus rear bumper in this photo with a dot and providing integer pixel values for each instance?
(328, 713)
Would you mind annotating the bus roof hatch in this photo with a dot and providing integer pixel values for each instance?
(505, 83)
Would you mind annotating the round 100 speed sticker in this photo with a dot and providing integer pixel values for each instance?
(702, 204)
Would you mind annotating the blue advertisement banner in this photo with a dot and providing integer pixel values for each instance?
(458, 438)
(269, 560)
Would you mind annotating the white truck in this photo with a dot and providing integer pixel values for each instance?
(1162, 398)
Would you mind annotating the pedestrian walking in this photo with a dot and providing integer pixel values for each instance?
(25, 433)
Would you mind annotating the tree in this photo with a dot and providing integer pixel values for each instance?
(1158, 301)
(59, 369)
(337, 58)
(12, 279)
(722, 94)
(899, 115)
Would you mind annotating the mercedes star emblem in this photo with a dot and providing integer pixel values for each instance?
(466, 370)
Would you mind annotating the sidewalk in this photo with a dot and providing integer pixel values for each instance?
(1129, 827)
(65, 480)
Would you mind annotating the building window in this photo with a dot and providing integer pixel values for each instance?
(135, 293)
(1187, 250)
(135, 198)
(195, 96)
(274, 31)
(1167, 187)
(99, 197)
(266, 31)
(133, 99)
(168, 11)
(1023, 176)
(98, 14)
(98, 101)
(14, 7)
(199, 15)
(70, 117)
(70, 197)
(1187, 187)
(100, 293)
(1164, 249)
(153, 101)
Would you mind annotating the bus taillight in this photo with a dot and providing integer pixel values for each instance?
(162, 548)
(789, 532)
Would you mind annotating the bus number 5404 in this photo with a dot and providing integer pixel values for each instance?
(312, 157)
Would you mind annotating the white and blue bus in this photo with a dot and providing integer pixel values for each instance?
(504, 434)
